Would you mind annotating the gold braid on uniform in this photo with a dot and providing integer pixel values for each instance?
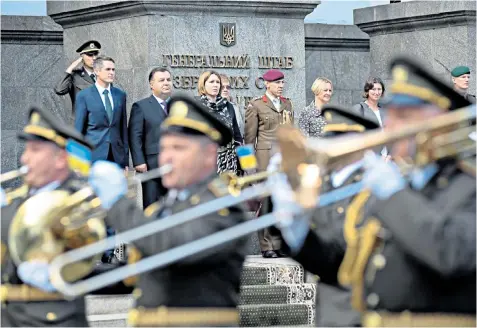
(354, 216)
(368, 238)
(3, 252)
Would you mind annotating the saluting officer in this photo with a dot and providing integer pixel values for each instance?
(78, 78)
(411, 242)
(461, 78)
(201, 290)
(27, 297)
(262, 118)
(325, 244)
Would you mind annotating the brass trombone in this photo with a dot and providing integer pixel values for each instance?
(304, 162)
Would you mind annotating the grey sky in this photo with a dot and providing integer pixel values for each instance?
(328, 12)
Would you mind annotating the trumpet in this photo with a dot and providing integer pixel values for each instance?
(304, 162)
(51, 223)
(236, 183)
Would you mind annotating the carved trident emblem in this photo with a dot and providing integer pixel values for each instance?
(227, 34)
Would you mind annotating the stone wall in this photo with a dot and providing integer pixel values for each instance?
(32, 62)
(439, 33)
(341, 54)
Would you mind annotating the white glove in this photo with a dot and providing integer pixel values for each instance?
(274, 163)
(108, 182)
(383, 178)
(293, 224)
(3, 197)
(36, 274)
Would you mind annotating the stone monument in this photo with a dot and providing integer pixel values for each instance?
(242, 39)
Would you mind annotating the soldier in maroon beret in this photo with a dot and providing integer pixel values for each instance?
(262, 118)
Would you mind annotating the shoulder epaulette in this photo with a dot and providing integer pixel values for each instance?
(218, 187)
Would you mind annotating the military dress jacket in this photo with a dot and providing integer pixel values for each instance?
(55, 313)
(261, 122)
(208, 279)
(322, 254)
(73, 83)
(418, 248)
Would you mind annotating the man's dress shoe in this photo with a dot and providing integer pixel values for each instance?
(269, 254)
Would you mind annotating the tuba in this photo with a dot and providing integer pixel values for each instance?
(51, 223)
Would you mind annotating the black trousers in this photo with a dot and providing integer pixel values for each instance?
(152, 190)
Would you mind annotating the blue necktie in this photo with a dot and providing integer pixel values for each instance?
(107, 105)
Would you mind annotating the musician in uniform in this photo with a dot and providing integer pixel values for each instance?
(27, 297)
(333, 302)
(411, 252)
(201, 290)
(77, 78)
(262, 118)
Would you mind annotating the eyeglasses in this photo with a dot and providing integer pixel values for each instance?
(227, 87)
(92, 54)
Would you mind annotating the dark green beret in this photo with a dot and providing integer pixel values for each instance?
(460, 70)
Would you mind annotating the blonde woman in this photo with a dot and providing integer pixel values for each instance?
(210, 87)
(311, 122)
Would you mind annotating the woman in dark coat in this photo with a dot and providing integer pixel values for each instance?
(210, 87)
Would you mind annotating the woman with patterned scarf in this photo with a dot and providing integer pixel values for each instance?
(210, 87)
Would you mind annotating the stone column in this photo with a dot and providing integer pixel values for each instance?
(439, 33)
(339, 53)
(185, 35)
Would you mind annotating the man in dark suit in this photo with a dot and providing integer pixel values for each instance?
(77, 78)
(101, 115)
(146, 117)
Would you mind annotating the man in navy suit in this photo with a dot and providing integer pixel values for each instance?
(146, 117)
(101, 117)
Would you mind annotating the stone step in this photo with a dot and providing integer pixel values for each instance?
(108, 304)
(111, 311)
(280, 271)
(277, 315)
(278, 294)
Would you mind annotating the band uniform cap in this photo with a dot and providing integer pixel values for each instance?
(460, 70)
(414, 86)
(45, 126)
(89, 46)
(190, 117)
(273, 75)
(340, 121)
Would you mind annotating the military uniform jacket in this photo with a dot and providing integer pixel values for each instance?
(322, 254)
(208, 279)
(73, 83)
(261, 122)
(419, 248)
(34, 314)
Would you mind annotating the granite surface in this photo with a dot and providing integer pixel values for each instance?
(341, 54)
(441, 36)
(30, 66)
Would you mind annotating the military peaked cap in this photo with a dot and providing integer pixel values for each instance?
(273, 75)
(460, 70)
(89, 46)
(340, 121)
(190, 117)
(45, 126)
(413, 86)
